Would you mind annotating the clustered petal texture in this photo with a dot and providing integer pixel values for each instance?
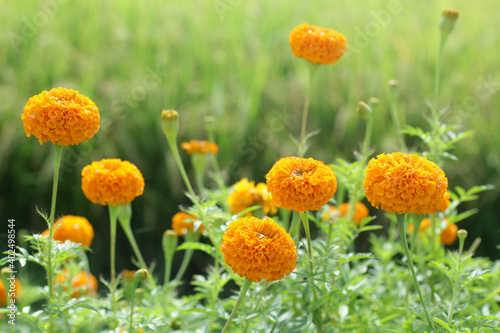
(317, 45)
(258, 249)
(181, 226)
(301, 184)
(246, 194)
(404, 183)
(61, 116)
(76, 229)
(203, 147)
(111, 182)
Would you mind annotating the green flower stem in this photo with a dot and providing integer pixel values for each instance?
(190, 237)
(434, 234)
(132, 301)
(305, 222)
(243, 291)
(113, 215)
(50, 267)
(437, 79)
(456, 291)
(294, 230)
(124, 220)
(397, 123)
(402, 233)
(302, 147)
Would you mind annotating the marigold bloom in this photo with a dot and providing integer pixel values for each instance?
(301, 184)
(449, 234)
(18, 291)
(61, 116)
(181, 226)
(128, 275)
(76, 229)
(246, 194)
(424, 225)
(80, 283)
(445, 202)
(317, 45)
(404, 183)
(258, 249)
(111, 182)
(203, 147)
(360, 212)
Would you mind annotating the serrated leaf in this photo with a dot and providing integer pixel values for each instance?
(197, 246)
(442, 324)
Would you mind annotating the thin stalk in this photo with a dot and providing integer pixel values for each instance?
(294, 230)
(456, 290)
(50, 268)
(132, 301)
(305, 111)
(113, 215)
(397, 123)
(402, 233)
(243, 291)
(437, 78)
(305, 222)
(190, 237)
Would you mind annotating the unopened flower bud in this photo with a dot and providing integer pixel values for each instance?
(364, 109)
(462, 234)
(169, 242)
(141, 275)
(448, 19)
(373, 101)
(170, 120)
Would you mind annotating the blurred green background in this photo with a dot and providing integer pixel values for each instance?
(231, 59)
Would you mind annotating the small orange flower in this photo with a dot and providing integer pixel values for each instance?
(80, 283)
(360, 212)
(445, 202)
(301, 184)
(404, 183)
(17, 290)
(449, 234)
(246, 194)
(317, 45)
(258, 249)
(62, 116)
(203, 147)
(181, 226)
(128, 275)
(76, 229)
(111, 182)
(424, 225)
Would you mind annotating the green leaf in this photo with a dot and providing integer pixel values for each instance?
(442, 324)
(197, 246)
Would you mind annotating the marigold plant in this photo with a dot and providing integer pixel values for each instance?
(317, 45)
(111, 182)
(82, 283)
(181, 226)
(76, 229)
(404, 183)
(258, 249)
(360, 212)
(449, 234)
(61, 116)
(246, 194)
(301, 184)
(203, 147)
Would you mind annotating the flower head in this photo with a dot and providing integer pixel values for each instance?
(82, 283)
(246, 194)
(203, 147)
(445, 202)
(258, 249)
(61, 116)
(18, 290)
(181, 226)
(111, 182)
(449, 234)
(317, 45)
(76, 229)
(360, 212)
(301, 184)
(404, 183)
(170, 121)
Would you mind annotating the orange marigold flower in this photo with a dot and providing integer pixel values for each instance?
(424, 225)
(76, 229)
(128, 275)
(181, 226)
(317, 45)
(404, 183)
(360, 212)
(203, 147)
(62, 116)
(111, 182)
(258, 249)
(17, 288)
(449, 234)
(301, 184)
(445, 202)
(81, 284)
(246, 194)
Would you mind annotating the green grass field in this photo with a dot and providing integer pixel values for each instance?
(231, 59)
